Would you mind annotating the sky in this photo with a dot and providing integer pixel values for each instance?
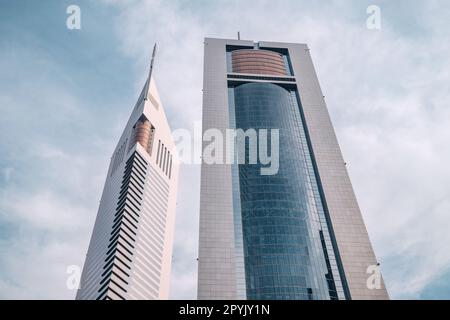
(65, 97)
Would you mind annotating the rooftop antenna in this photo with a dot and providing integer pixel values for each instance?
(150, 73)
(239, 35)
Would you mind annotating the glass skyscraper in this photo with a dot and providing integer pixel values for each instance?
(296, 234)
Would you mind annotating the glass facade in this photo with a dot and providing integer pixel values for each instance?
(237, 218)
(287, 249)
(287, 64)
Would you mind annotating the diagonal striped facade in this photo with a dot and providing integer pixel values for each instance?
(129, 256)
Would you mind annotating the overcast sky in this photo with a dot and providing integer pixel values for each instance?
(65, 97)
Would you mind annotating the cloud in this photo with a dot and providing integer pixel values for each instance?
(7, 173)
(46, 228)
(37, 269)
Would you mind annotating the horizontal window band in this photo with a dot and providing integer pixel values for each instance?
(129, 203)
(111, 266)
(113, 241)
(136, 180)
(105, 291)
(128, 191)
(118, 239)
(113, 291)
(256, 77)
(104, 286)
(124, 247)
(123, 236)
(114, 272)
(123, 222)
(113, 255)
(125, 205)
(118, 285)
(138, 170)
(137, 162)
(258, 65)
(100, 296)
(130, 194)
(127, 234)
(136, 175)
(116, 247)
(125, 256)
(136, 166)
(125, 264)
(139, 166)
(116, 231)
(121, 201)
(138, 187)
(131, 212)
(109, 276)
(137, 155)
(125, 218)
(142, 160)
(131, 158)
(128, 228)
(107, 268)
(131, 200)
(132, 189)
(120, 214)
(132, 161)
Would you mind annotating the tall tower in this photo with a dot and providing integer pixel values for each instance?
(296, 234)
(129, 256)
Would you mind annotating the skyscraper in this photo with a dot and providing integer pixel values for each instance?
(129, 256)
(296, 234)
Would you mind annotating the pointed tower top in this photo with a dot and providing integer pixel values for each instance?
(147, 87)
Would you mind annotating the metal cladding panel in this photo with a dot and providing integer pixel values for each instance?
(216, 265)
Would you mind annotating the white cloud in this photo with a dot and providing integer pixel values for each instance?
(37, 269)
(7, 173)
(46, 225)
(44, 210)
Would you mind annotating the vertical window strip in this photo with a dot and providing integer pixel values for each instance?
(161, 156)
(164, 163)
(159, 147)
(167, 164)
(170, 166)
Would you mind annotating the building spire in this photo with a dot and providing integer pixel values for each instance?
(147, 86)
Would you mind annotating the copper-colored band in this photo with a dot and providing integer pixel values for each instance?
(258, 62)
(143, 132)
